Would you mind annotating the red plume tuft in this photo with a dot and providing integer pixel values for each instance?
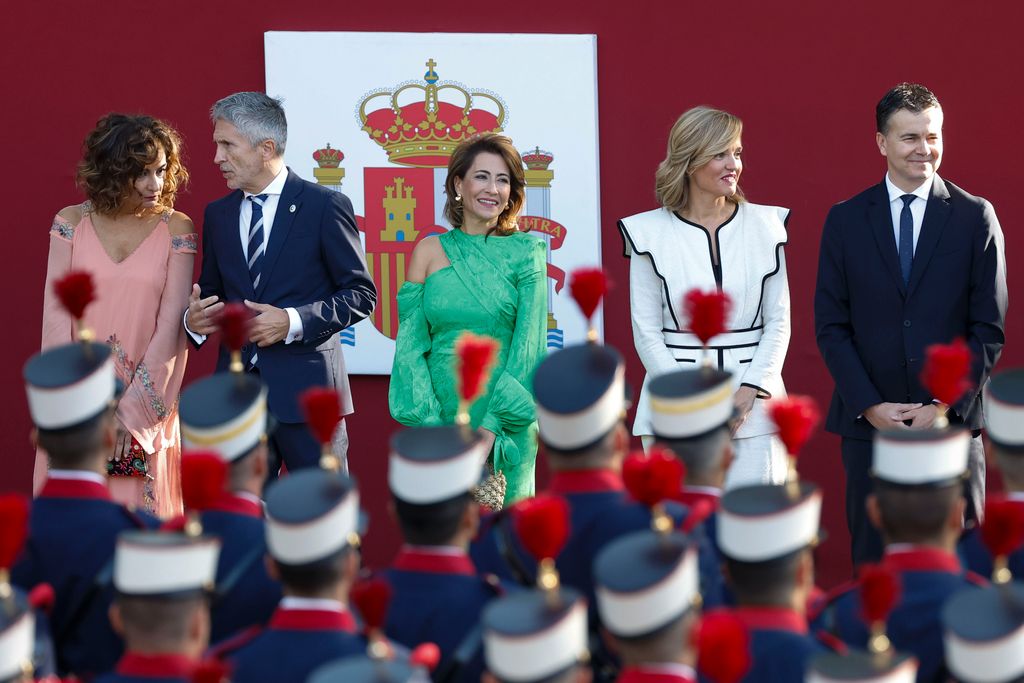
(476, 355)
(42, 597)
(322, 407)
(211, 671)
(652, 478)
(75, 291)
(1003, 529)
(707, 312)
(372, 597)
(234, 322)
(879, 592)
(795, 417)
(946, 367)
(13, 527)
(588, 286)
(542, 523)
(426, 656)
(723, 647)
(175, 524)
(203, 479)
(697, 514)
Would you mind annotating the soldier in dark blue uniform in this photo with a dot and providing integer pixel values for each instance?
(74, 523)
(647, 595)
(1004, 422)
(438, 594)
(163, 581)
(766, 535)
(312, 540)
(227, 414)
(918, 506)
(984, 633)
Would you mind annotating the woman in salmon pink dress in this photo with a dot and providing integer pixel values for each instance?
(140, 253)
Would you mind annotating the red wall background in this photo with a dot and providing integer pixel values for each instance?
(804, 76)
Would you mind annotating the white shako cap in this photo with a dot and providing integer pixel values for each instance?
(861, 667)
(164, 564)
(225, 413)
(1004, 409)
(761, 523)
(581, 395)
(17, 636)
(920, 457)
(311, 515)
(984, 633)
(688, 403)
(69, 384)
(644, 581)
(434, 464)
(527, 638)
(365, 669)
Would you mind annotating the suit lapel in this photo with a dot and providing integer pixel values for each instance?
(936, 214)
(231, 247)
(880, 217)
(283, 219)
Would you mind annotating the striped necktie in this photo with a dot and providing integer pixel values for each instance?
(254, 253)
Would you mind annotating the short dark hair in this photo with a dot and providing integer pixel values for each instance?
(702, 454)
(433, 524)
(159, 621)
(72, 447)
(771, 582)
(913, 97)
(461, 161)
(308, 579)
(915, 514)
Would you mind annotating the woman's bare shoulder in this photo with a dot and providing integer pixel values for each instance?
(424, 254)
(72, 214)
(180, 224)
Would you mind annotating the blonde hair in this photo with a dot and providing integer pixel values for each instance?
(695, 139)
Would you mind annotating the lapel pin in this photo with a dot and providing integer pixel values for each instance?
(291, 209)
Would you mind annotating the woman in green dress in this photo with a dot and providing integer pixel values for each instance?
(486, 277)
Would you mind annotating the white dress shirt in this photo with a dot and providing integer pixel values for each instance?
(917, 207)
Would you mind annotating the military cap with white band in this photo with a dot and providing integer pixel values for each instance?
(762, 523)
(688, 403)
(17, 637)
(861, 667)
(364, 669)
(68, 385)
(433, 464)
(311, 515)
(1004, 409)
(984, 633)
(163, 564)
(920, 457)
(225, 413)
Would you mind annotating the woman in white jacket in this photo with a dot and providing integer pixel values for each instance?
(706, 235)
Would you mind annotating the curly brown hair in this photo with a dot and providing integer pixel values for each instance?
(462, 160)
(117, 152)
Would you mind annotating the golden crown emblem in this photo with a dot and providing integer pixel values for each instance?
(537, 159)
(328, 157)
(424, 130)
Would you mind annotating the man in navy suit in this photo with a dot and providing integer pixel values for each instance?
(909, 262)
(290, 250)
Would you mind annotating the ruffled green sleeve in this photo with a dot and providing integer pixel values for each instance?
(411, 395)
(511, 405)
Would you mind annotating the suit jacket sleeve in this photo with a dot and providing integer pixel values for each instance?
(354, 294)
(987, 306)
(645, 304)
(832, 323)
(771, 350)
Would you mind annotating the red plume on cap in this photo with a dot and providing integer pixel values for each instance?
(795, 417)
(75, 291)
(723, 647)
(476, 354)
(652, 478)
(203, 479)
(322, 408)
(1003, 529)
(211, 671)
(698, 513)
(588, 286)
(13, 527)
(372, 597)
(234, 322)
(707, 312)
(879, 592)
(542, 524)
(426, 656)
(946, 367)
(42, 597)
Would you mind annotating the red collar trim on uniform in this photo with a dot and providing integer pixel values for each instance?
(238, 505)
(585, 481)
(74, 488)
(689, 497)
(922, 560)
(285, 619)
(772, 619)
(155, 666)
(643, 674)
(423, 560)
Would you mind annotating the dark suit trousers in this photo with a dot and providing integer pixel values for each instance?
(865, 540)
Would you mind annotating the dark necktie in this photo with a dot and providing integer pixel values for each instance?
(906, 237)
(254, 253)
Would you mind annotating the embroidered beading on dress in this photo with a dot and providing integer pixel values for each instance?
(155, 402)
(63, 228)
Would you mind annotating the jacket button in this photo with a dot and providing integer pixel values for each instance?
(906, 323)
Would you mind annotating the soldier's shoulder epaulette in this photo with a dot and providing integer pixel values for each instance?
(225, 648)
(976, 579)
(832, 642)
